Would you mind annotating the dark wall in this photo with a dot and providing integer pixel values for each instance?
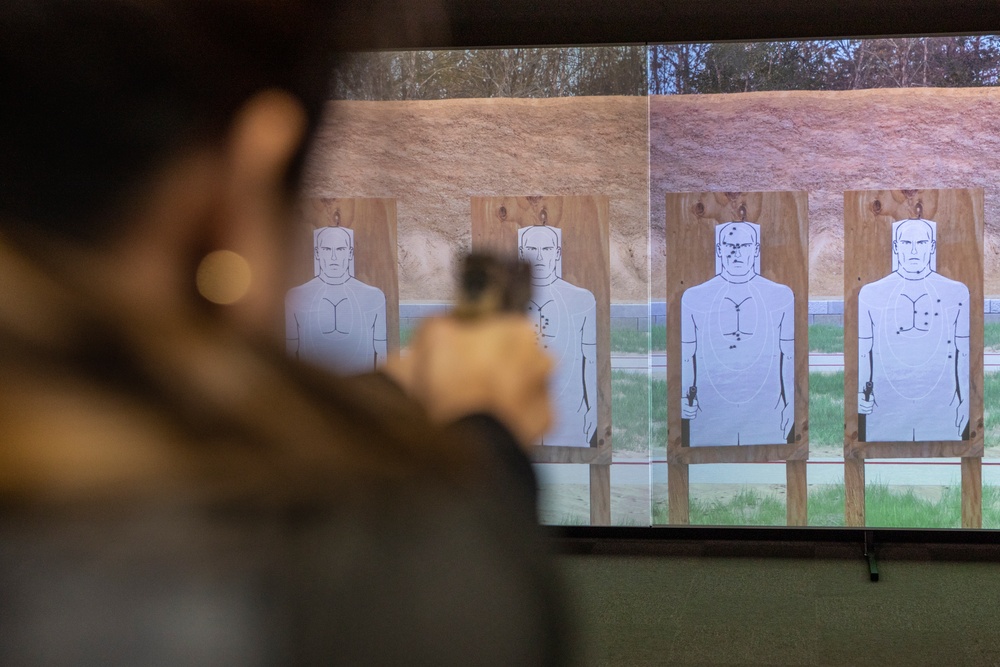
(476, 23)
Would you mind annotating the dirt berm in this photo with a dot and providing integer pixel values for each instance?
(826, 143)
(432, 156)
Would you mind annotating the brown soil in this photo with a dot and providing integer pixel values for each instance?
(569, 504)
(432, 156)
(826, 143)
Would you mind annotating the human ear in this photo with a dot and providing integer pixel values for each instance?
(264, 136)
(255, 204)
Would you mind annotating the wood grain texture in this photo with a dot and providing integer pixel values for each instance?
(585, 263)
(678, 493)
(854, 492)
(921, 450)
(691, 219)
(550, 454)
(600, 495)
(972, 492)
(797, 491)
(748, 454)
(375, 251)
(868, 218)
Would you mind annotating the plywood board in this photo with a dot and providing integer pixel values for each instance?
(585, 263)
(582, 222)
(780, 222)
(692, 219)
(869, 215)
(954, 218)
(373, 222)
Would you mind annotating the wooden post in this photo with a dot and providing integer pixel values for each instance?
(678, 493)
(854, 492)
(972, 492)
(600, 495)
(797, 494)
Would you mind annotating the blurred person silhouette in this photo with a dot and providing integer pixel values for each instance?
(173, 488)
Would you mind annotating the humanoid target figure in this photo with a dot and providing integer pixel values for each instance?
(334, 319)
(737, 348)
(913, 345)
(564, 316)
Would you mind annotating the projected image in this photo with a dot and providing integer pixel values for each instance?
(913, 345)
(565, 317)
(335, 320)
(737, 348)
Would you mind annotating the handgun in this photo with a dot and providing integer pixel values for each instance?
(691, 395)
(490, 284)
(868, 390)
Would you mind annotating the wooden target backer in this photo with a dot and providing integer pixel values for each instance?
(375, 251)
(691, 220)
(585, 263)
(868, 253)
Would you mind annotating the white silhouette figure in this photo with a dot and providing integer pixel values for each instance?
(565, 319)
(335, 320)
(913, 345)
(737, 348)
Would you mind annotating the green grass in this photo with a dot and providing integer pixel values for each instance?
(830, 338)
(991, 409)
(658, 430)
(629, 341)
(405, 334)
(632, 341)
(885, 507)
(991, 337)
(630, 410)
(991, 507)
(826, 505)
(826, 413)
(658, 338)
(630, 396)
(747, 508)
(826, 338)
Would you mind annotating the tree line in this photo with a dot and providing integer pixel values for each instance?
(523, 72)
(671, 69)
(844, 64)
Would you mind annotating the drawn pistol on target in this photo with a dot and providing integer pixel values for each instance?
(691, 396)
(868, 391)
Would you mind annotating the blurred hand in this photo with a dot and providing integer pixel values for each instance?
(493, 365)
(689, 411)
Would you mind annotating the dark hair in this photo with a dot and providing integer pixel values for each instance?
(99, 93)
